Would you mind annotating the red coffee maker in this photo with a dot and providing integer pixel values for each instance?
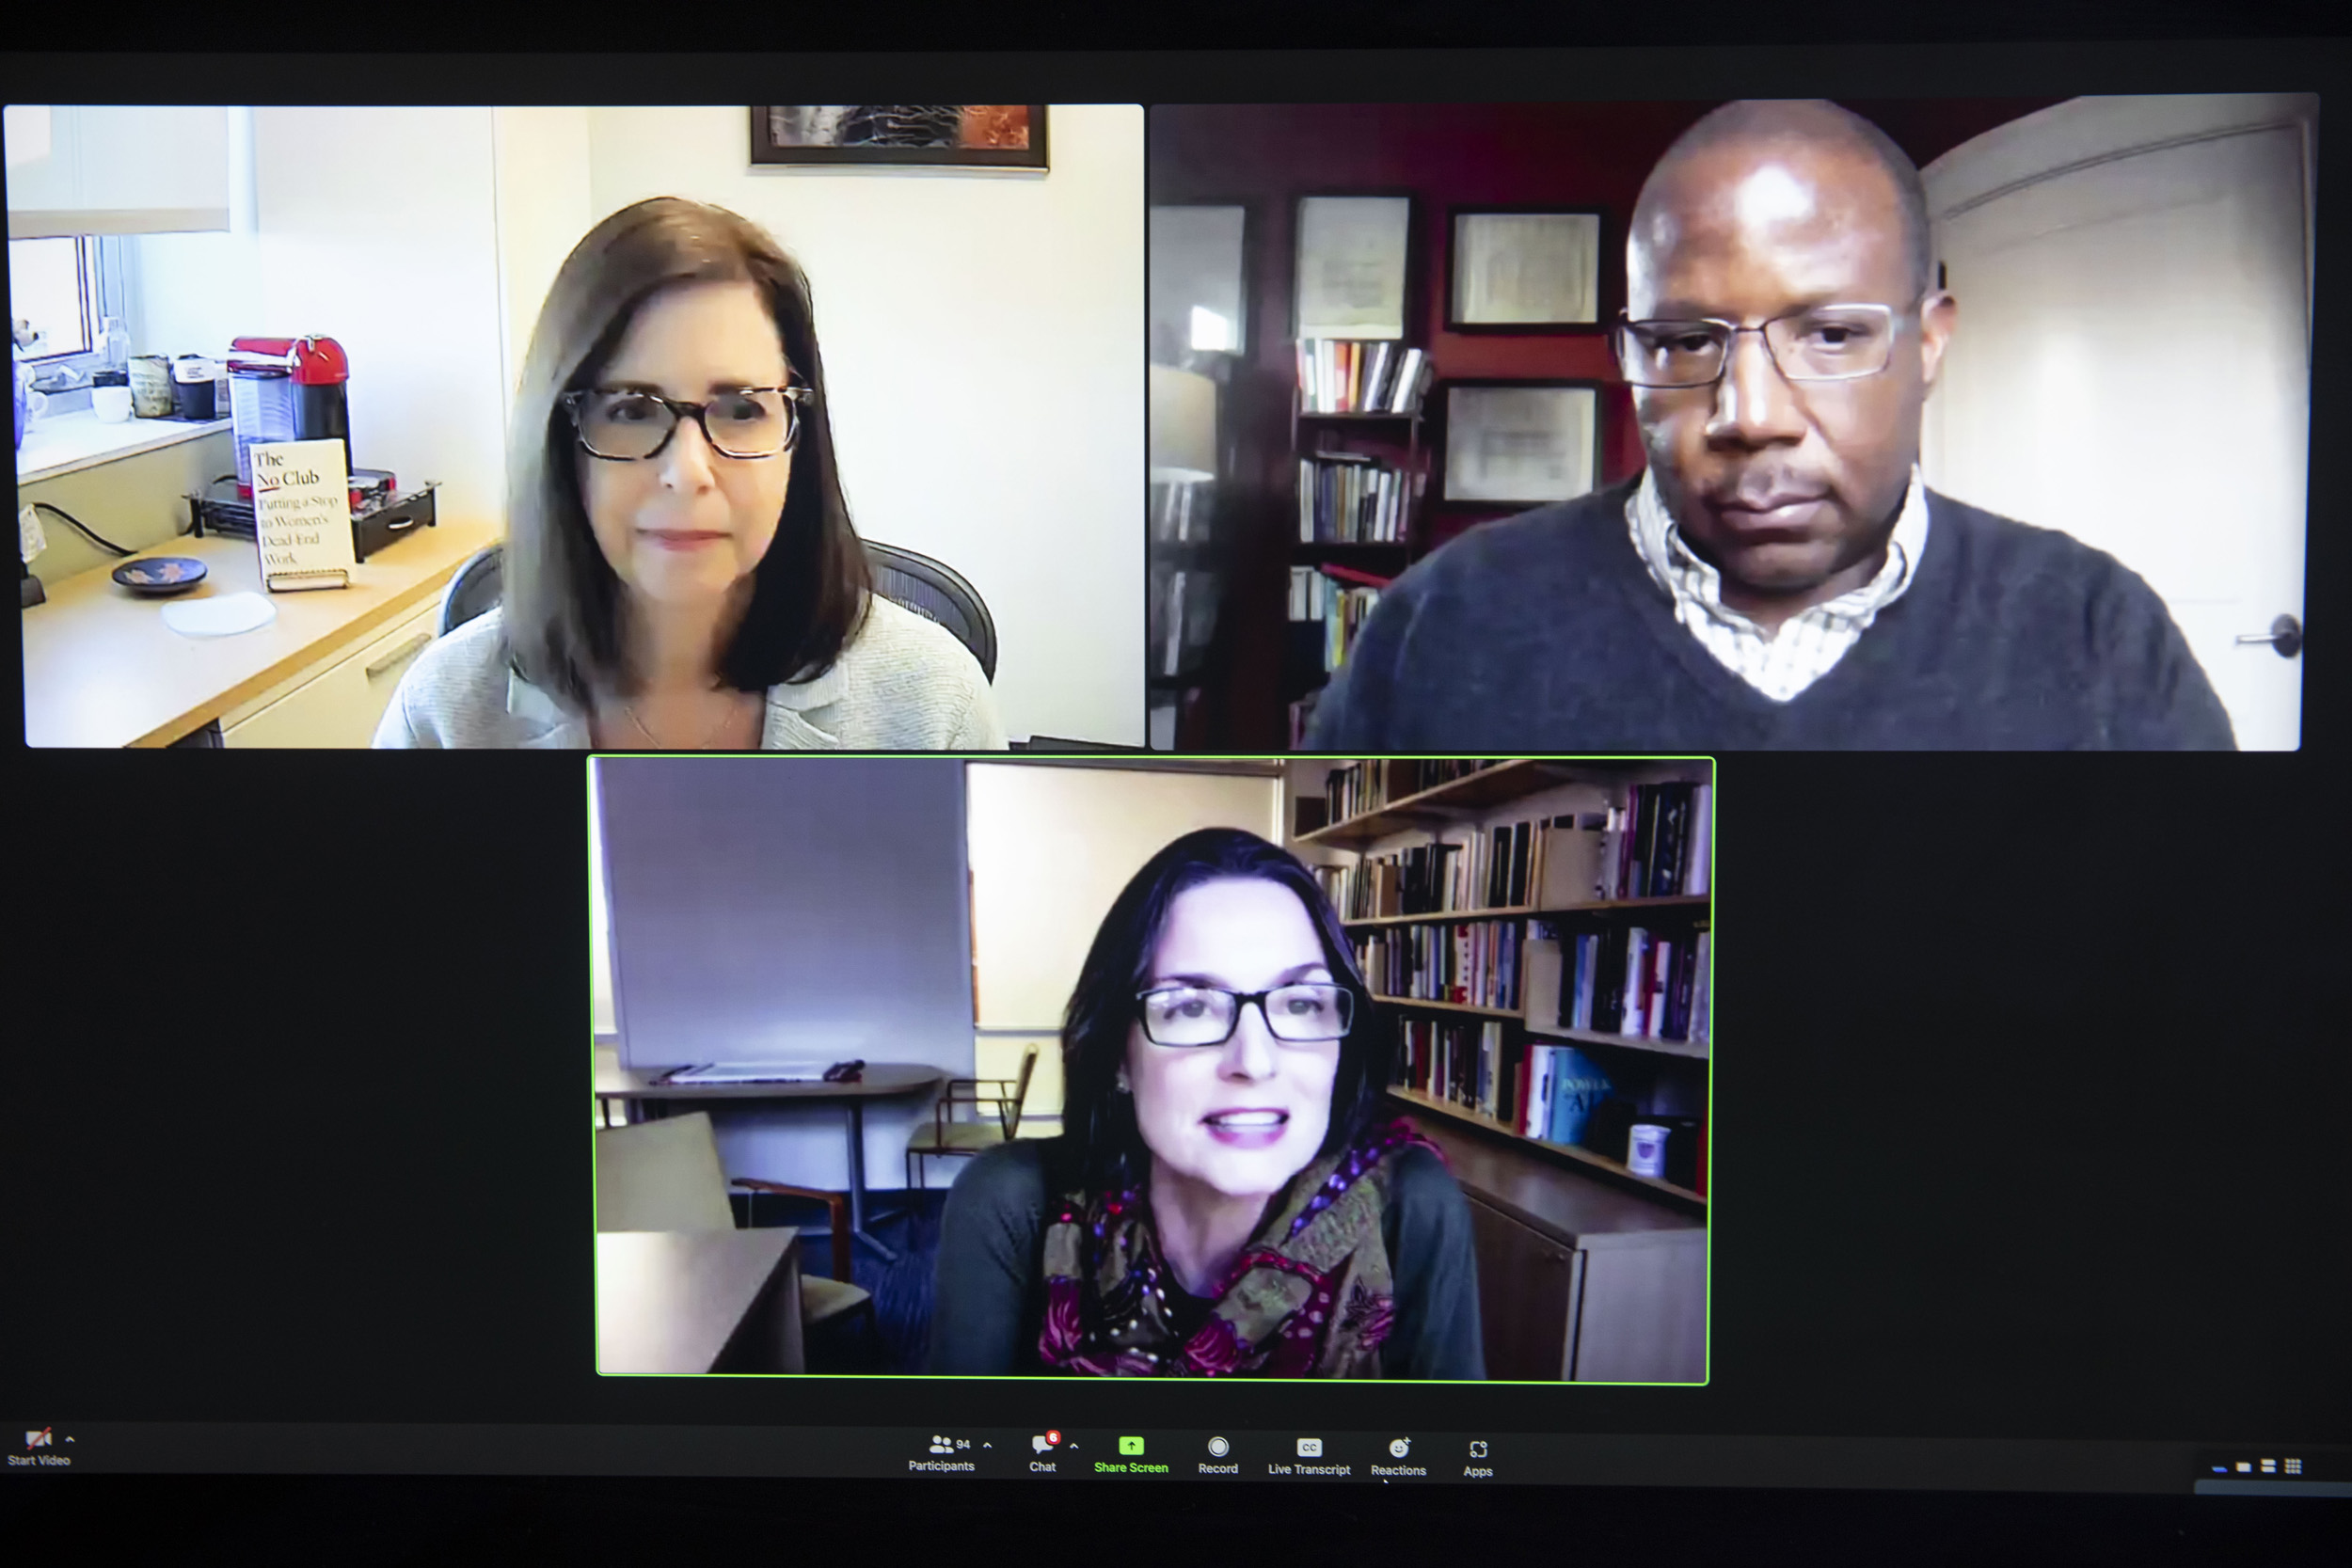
(287, 389)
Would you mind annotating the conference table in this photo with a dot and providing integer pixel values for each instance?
(642, 1094)
(704, 1301)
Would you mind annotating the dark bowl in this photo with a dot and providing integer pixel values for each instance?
(160, 576)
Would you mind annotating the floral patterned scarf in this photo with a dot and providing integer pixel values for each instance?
(1310, 1296)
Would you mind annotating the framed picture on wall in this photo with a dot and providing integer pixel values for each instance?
(1517, 271)
(1351, 265)
(1521, 443)
(1199, 276)
(944, 135)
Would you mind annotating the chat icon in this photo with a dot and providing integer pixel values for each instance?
(1038, 1444)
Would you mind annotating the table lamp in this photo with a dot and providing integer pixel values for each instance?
(1184, 426)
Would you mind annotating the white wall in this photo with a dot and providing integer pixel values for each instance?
(377, 227)
(1051, 847)
(982, 339)
(543, 207)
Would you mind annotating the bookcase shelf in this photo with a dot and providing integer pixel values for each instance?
(1448, 1006)
(1564, 1152)
(1497, 785)
(1696, 1050)
(1604, 906)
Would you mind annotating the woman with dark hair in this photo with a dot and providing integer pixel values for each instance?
(680, 571)
(1224, 1197)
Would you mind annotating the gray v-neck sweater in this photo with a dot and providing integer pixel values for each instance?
(1546, 633)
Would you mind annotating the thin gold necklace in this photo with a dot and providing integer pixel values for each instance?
(703, 746)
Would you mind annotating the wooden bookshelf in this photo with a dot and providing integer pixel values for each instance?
(1489, 787)
(1600, 906)
(1696, 1050)
(1449, 1007)
(1564, 1152)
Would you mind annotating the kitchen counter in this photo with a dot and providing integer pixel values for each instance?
(66, 443)
(101, 669)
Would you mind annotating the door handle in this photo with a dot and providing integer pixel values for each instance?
(2285, 636)
(412, 645)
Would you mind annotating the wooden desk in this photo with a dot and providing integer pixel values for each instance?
(638, 1095)
(709, 1301)
(101, 669)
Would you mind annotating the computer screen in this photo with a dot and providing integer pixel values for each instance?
(1567, 785)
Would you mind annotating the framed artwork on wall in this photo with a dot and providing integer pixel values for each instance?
(1512, 270)
(1351, 254)
(1199, 280)
(943, 135)
(1521, 443)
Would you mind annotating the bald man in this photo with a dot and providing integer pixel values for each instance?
(1779, 578)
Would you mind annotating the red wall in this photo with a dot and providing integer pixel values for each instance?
(1568, 155)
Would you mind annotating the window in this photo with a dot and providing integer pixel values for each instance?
(50, 287)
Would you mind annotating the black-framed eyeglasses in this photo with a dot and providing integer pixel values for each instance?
(1821, 342)
(1204, 1015)
(628, 425)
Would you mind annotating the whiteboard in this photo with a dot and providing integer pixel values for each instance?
(787, 908)
(1051, 846)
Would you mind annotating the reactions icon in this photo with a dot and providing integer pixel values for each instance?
(1400, 1446)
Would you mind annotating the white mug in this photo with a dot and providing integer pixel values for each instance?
(110, 403)
(1645, 1151)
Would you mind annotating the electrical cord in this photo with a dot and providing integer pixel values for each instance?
(82, 529)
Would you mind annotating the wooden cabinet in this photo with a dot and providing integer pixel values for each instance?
(86, 168)
(339, 702)
(1579, 1278)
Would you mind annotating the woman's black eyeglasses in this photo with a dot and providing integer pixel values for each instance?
(628, 425)
(1204, 1015)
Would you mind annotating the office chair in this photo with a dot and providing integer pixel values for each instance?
(947, 1136)
(937, 593)
(930, 587)
(665, 1175)
(473, 590)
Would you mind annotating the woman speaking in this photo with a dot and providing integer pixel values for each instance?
(680, 571)
(1223, 1198)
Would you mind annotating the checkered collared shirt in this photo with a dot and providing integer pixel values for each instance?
(1809, 646)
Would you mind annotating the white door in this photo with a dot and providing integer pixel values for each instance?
(2133, 359)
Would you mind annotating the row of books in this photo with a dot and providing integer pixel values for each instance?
(1339, 375)
(1664, 841)
(1537, 1091)
(1343, 608)
(1460, 1060)
(1473, 963)
(1541, 864)
(1350, 498)
(1625, 980)
(1367, 786)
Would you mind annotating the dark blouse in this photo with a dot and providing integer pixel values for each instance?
(989, 1304)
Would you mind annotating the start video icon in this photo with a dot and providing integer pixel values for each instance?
(40, 1440)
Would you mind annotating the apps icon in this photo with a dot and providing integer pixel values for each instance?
(1131, 1445)
(1400, 1446)
(1311, 1447)
(1220, 1448)
(1478, 1448)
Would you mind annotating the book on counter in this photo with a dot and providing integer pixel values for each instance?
(302, 515)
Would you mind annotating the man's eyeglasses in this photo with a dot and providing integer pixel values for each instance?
(1823, 343)
(1201, 1015)
(628, 425)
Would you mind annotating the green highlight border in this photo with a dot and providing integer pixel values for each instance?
(1143, 761)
